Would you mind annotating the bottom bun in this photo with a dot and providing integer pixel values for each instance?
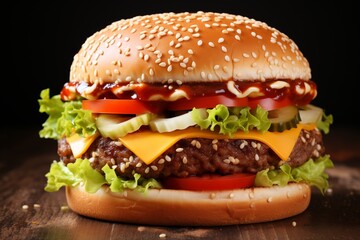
(168, 207)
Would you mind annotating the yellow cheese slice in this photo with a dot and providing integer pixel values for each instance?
(79, 144)
(149, 145)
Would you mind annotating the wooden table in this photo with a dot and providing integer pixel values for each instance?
(25, 158)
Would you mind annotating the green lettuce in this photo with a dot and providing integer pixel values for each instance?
(311, 172)
(65, 118)
(324, 124)
(228, 120)
(81, 172)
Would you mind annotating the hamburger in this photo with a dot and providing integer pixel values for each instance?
(187, 119)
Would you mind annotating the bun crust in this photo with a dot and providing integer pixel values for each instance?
(167, 207)
(188, 47)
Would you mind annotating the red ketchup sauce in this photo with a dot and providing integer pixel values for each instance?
(299, 92)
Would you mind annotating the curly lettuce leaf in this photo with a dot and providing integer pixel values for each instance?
(228, 120)
(117, 184)
(81, 172)
(65, 118)
(311, 172)
(324, 124)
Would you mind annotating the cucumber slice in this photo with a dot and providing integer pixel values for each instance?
(310, 114)
(115, 126)
(175, 123)
(283, 118)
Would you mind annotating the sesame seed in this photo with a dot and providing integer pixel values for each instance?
(179, 149)
(200, 42)
(151, 72)
(162, 235)
(215, 147)
(154, 168)
(168, 158)
(147, 170)
(184, 160)
(139, 164)
(122, 167)
(251, 195)
(257, 157)
(221, 40)
(25, 206)
(211, 44)
(212, 195)
(224, 49)
(226, 161)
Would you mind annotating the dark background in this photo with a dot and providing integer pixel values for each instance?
(45, 37)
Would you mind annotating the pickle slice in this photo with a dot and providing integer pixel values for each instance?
(283, 118)
(310, 114)
(175, 123)
(115, 126)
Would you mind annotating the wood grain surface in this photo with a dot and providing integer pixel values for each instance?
(28, 212)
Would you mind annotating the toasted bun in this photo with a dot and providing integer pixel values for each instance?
(188, 208)
(188, 47)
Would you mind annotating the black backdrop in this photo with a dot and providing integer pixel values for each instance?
(45, 37)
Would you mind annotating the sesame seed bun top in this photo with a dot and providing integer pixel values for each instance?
(190, 47)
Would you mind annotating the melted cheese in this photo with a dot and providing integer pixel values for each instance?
(79, 144)
(149, 145)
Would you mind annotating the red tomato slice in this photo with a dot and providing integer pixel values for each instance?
(269, 103)
(207, 102)
(122, 106)
(131, 106)
(211, 182)
(212, 101)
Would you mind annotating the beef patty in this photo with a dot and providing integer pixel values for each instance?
(196, 156)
